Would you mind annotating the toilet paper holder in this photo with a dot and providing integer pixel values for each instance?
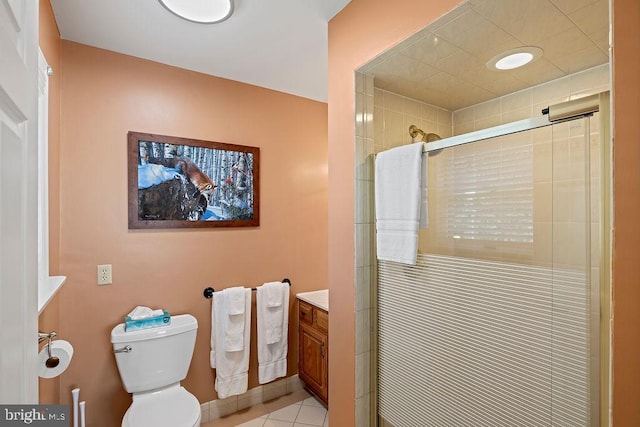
(42, 336)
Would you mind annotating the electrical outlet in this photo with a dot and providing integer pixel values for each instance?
(104, 274)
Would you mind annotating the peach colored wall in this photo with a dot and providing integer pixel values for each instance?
(49, 39)
(626, 244)
(106, 94)
(364, 29)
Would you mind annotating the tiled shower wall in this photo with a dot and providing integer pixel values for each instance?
(530, 102)
(393, 115)
(365, 390)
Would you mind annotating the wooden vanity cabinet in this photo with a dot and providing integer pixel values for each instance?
(313, 353)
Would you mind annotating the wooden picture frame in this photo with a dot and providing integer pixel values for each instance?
(178, 182)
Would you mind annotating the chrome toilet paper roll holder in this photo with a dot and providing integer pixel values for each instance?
(52, 361)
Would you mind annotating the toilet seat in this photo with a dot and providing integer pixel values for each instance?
(172, 407)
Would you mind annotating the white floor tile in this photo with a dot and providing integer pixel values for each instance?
(288, 413)
(312, 401)
(276, 423)
(258, 422)
(305, 413)
(313, 415)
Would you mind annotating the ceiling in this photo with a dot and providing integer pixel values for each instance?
(444, 64)
(276, 44)
(282, 44)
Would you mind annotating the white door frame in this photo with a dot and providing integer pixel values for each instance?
(18, 201)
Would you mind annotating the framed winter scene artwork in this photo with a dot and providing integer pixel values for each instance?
(186, 183)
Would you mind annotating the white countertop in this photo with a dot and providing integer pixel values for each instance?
(318, 298)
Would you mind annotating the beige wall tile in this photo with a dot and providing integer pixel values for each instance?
(429, 112)
(466, 115)
(486, 109)
(378, 97)
(445, 131)
(393, 129)
(378, 124)
(274, 389)
(577, 200)
(363, 288)
(411, 107)
(221, 407)
(590, 81)
(363, 405)
(562, 201)
(250, 398)
(557, 90)
(487, 122)
(459, 129)
(368, 116)
(577, 147)
(542, 203)
(542, 162)
(562, 244)
(294, 383)
(444, 117)
(543, 243)
(520, 99)
(363, 322)
(577, 245)
(392, 101)
(360, 114)
(509, 116)
(561, 156)
(204, 412)
(359, 82)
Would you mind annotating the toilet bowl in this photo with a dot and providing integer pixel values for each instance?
(152, 362)
(172, 407)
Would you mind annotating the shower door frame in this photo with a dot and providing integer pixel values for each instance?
(599, 102)
(515, 127)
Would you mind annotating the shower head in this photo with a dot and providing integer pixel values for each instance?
(418, 135)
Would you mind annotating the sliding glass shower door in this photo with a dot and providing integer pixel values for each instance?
(497, 324)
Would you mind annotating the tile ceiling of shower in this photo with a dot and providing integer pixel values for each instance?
(444, 64)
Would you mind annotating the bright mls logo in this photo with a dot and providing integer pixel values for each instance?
(36, 415)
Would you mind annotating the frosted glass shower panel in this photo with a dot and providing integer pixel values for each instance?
(498, 323)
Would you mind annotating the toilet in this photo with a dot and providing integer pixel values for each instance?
(152, 362)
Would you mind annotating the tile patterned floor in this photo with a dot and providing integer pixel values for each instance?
(298, 409)
(308, 412)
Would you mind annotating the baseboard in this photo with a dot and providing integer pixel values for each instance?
(218, 408)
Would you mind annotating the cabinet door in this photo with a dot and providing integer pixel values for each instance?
(313, 360)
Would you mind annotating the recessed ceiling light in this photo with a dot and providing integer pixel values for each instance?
(201, 11)
(514, 58)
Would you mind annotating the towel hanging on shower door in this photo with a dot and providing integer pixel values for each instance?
(398, 195)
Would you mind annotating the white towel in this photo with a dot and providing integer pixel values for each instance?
(424, 204)
(271, 295)
(234, 328)
(236, 300)
(273, 291)
(273, 330)
(232, 367)
(398, 176)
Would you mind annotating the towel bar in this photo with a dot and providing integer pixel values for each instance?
(208, 292)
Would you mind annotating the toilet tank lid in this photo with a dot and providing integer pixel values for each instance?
(179, 324)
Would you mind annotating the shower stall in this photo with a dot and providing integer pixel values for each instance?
(499, 321)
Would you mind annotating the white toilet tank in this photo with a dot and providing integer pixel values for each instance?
(158, 356)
